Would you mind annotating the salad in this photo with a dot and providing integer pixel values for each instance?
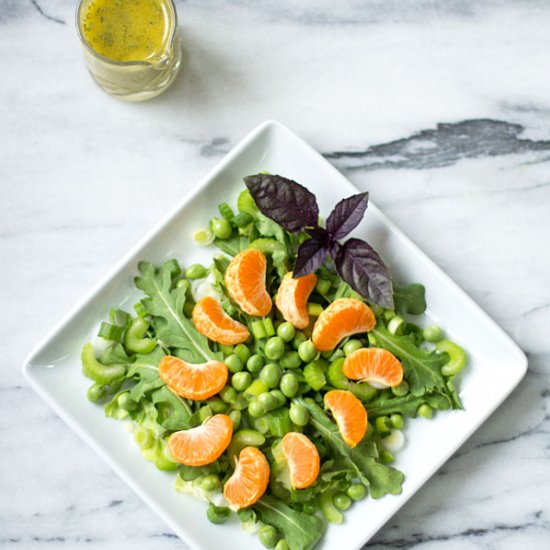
(276, 382)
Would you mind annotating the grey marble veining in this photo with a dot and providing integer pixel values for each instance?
(440, 109)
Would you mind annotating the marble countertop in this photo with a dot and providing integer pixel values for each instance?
(440, 109)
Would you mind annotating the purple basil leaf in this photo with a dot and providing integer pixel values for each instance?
(284, 201)
(347, 214)
(311, 255)
(363, 269)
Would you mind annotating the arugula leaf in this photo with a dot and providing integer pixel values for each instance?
(410, 298)
(382, 406)
(173, 411)
(145, 370)
(114, 355)
(232, 246)
(422, 367)
(362, 459)
(165, 304)
(302, 531)
(268, 228)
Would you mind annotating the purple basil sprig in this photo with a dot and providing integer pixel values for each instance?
(295, 208)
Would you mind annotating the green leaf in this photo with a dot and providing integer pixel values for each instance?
(173, 411)
(165, 304)
(422, 368)
(362, 459)
(269, 228)
(234, 245)
(410, 298)
(302, 531)
(383, 406)
(115, 355)
(145, 369)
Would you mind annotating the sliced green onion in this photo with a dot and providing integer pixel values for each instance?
(118, 316)
(140, 309)
(242, 220)
(203, 236)
(396, 325)
(226, 211)
(314, 374)
(110, 332)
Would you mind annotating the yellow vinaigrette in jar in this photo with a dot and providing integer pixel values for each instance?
(131, 47)
(127, 30)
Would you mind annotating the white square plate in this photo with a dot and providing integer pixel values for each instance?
(496, 364)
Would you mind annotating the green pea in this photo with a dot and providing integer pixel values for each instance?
(242, 352)
(281, 545)
(204, 412)
(255, 389)
(235, 416)
(241, 380)
(298, 414)
(217, 514)
(396, 421)
(255, 408)
(125, 402)
(96, 392)
(268, 536)
(290, 360)
(356, 491)
(274, 348)
(255, 363)
(195, 271)
(289, 384)
(221, 228)
(286, 331)
(352, 345)
(309, 508)
(228, 394)
(210, 482)
(279, 396)
(298, 339)
(234, 363)
(383, 425)
(267, 401)
(323, 287)
(270, 375)
(401, 390)
(342, 501)
(217, 405)
(425, 411)
(433, 333)
(307, 351)
(242, 439)
(226, 350)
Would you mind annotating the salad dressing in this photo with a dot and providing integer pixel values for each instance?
(127, 30)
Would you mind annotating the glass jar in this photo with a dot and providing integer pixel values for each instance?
(134, 72)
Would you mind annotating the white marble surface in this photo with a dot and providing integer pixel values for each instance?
(440, 109)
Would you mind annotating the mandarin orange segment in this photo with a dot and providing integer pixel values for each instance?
(212, 321)
(350, 415)
(249, 480)
(344, 317)
(245, 282)
(303, 459)
(377, 366)
(203, 444)
(192, 380)
(292, 298)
